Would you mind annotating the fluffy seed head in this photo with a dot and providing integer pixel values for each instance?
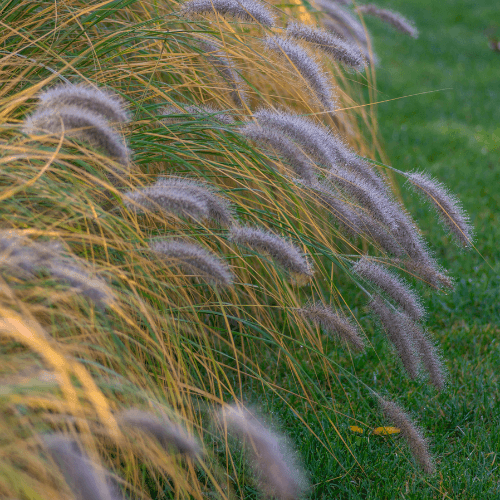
(394, 286)
(98, 101)
(82, 476)
(299, 162)
(428, 355)
(369, 198)
(182, 197)
(333, 323)
(429, 274)
(413, 435)
(224, 65)
(276, 473)
(340, 50)
(397, 331)
(305, 64)
(203, 111)
(246, 10)
(345, 21)
(82, 124)
(447, 206)
(279, 249)
(194, 259)
(170, 436)
(395, 19)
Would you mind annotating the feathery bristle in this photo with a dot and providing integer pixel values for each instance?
(413, 435)
(82, 124)
(299, 162)
(333, 323)
(203, 111)
(193, 258)
(340, 50)
(448, 207)
(395, 19)
(305, 64)
(246, 10)
(278, 476)
(344, 19)
(396, 328)
(220, 60)
(378, 205)
(281, 250)
(98, 101)
(394, 286)
(79, 472)
(428, 355)
(170, 436)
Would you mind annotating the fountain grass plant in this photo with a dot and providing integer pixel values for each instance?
(160, 342)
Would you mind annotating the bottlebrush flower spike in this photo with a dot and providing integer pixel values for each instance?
(340, 50)
(204, 111)
(395, 19)
(394, 286)
(305, 64)
(430, 274)
(297, 160)
(246, 10)
(277, 475)
(193, 258)
(396, 329)
(413, 435)
(225, 66)
(82, 124)
(333, 323)
(170, 436)
(448, 207)
(98, 101)
(281, 250)
(81, 474)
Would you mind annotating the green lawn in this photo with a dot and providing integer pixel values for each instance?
(453, 134)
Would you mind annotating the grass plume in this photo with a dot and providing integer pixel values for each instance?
(395, 19)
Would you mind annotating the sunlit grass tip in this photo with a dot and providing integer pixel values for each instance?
(279, 249)
(419, 446)
(333, 323)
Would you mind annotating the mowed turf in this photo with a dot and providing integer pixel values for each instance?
(453, 134)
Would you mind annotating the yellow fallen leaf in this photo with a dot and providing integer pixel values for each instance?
(384, 431)
(355, 428)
